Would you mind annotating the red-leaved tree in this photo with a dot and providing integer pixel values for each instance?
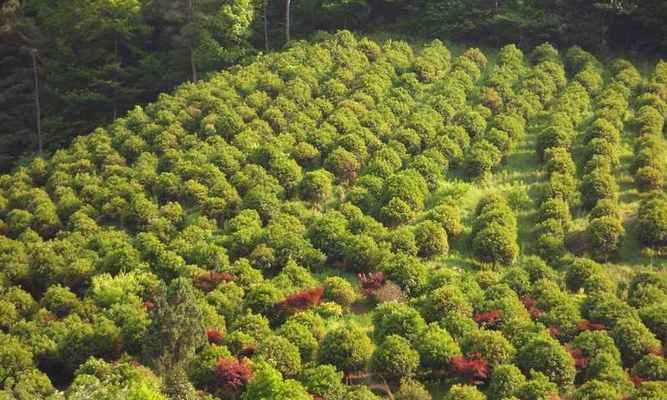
(586, 325)
(636, 380)
(214, 335)
(210, 280)
(233, 374)
(371, 281)
(580, 361)
(301, 300)
(489, 319)
(473, 368)
(554, 331)
(531, 305)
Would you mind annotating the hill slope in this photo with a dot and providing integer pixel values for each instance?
(350, 207)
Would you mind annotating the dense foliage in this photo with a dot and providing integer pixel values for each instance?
(71, 65)
(325, 223)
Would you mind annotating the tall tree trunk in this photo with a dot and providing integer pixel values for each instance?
(38, 112)
(287, 20)
(193, 65)
(266, 24)
(114, 94)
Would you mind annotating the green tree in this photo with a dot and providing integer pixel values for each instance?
(175, 332)
(395, 358)
(347, 348)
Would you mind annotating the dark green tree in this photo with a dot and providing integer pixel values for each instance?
(176, 331)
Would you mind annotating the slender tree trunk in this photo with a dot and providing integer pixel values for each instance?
(114, 94)
(38, 112)
(193, 65)
(287, 20)
(266, 24)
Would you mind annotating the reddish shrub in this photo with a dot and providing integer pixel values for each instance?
(531, 305)
(214, 336)
(554, 331)
(473, 368)
(489, 319)
(580, 362)
(658, 351)
(302, 300)
(248, 351)
(233, 374)
(636, 380)
(586, 325)
(209, 280)
(149, 305)
(371, 281)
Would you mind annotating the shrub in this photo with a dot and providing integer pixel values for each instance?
(506, 379)
(518, 279)
(302, 300)
(547, 356)
(312, 321)
(603, 129)
(650, 391)
(361, 393)
(649, 178)
(233, 374)
(262, 297)
(606, 208)
(411, 389)
(491, 345)
(316, 186)
(651, 367)
(590, 79)
(397, 212)
(538, 387)
(606, 309)
(436, 346)
(393, 318)
(497, 244)
(598, 185)
(445, 300)
(473, 368)
(343, 164)
(60, 300)
(281, 354)
(347, 348)
(395, 358)
(464, 392)
(604, 149)
(605, 235)
(545, 52)
(649, 120)
(654, 317)
(481, 158)
(633, 339)
(299, 335)
(449, 217)
(269, 384)
(583, 274)
(596, 390)
(324, 381)
(652, 221)
(557, 209)
(431, 239)
(340, 291)
(406, 271)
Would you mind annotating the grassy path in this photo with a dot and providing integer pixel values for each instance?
(519, 176)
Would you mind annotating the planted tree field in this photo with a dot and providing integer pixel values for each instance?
(348, 219)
